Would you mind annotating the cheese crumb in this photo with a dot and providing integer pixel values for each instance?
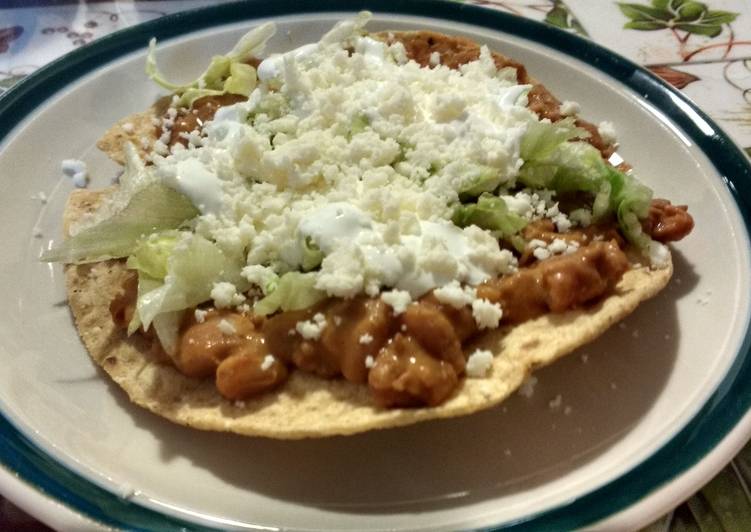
(455, 295)
(607, 132)
(369, 361)
(397, 300)
(479, 363)
(434, 59)
(226, 327)
(225, 295)
(541, 253)
(569, 108)
(486, 314)
(41, 196)
(268, 361)
(200, 315)
(659, 255)
(366, 338)
(76, 170)
(312, 329)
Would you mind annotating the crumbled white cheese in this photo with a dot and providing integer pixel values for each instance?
(557, 246)
(225, 295)
(365, 338)
(76, 170)
(312, 329)
(659, 254)
(434, 59)
(226, 327)
(479, 363)
(607, 132)
(569, 108)
(397, 300)
(41, 196)
(487, 315)
(200, 315)
(541, 253)
(542, 250)
(267, 362)
(369, 361)
(455, 295)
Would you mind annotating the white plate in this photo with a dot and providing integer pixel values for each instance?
(641, 407)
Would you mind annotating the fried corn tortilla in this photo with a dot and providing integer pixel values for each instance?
(306, 405)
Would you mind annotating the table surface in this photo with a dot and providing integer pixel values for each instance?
(703, 49)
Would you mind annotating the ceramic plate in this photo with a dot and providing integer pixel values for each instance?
(630, 423)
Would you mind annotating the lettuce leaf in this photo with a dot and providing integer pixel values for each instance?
(486, 179)
(193, 267)
(579, 167)
(151, 254)
(312, 255)
(225, 74)
(491, 213)
(153, 208)
(543, 137)
(293, 291)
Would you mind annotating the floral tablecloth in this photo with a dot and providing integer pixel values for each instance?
(701, 48)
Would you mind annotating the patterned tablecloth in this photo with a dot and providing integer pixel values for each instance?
(702, 48)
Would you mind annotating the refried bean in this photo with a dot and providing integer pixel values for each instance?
(416, 358)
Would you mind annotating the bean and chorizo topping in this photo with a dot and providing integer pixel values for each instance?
(408, 359)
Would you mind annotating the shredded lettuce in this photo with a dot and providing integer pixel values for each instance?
(491, 213)
(167, 328)
(153, 208)
(486, 179)
(294, 291)
(344, 29)
(151, 254)
(543, 137)
(193, 267)
(145, 284)
(225, 74)
(312, 255)
(579, 167)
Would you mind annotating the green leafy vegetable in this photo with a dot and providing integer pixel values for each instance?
(145, 284)
(193, 267)
(578, 166)
(312, 255)
(167, 328)
(294, 291)
(153, 208)
(542, 138)
(225, 74)
(491, 213)
(151, 254)
(486, 179)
